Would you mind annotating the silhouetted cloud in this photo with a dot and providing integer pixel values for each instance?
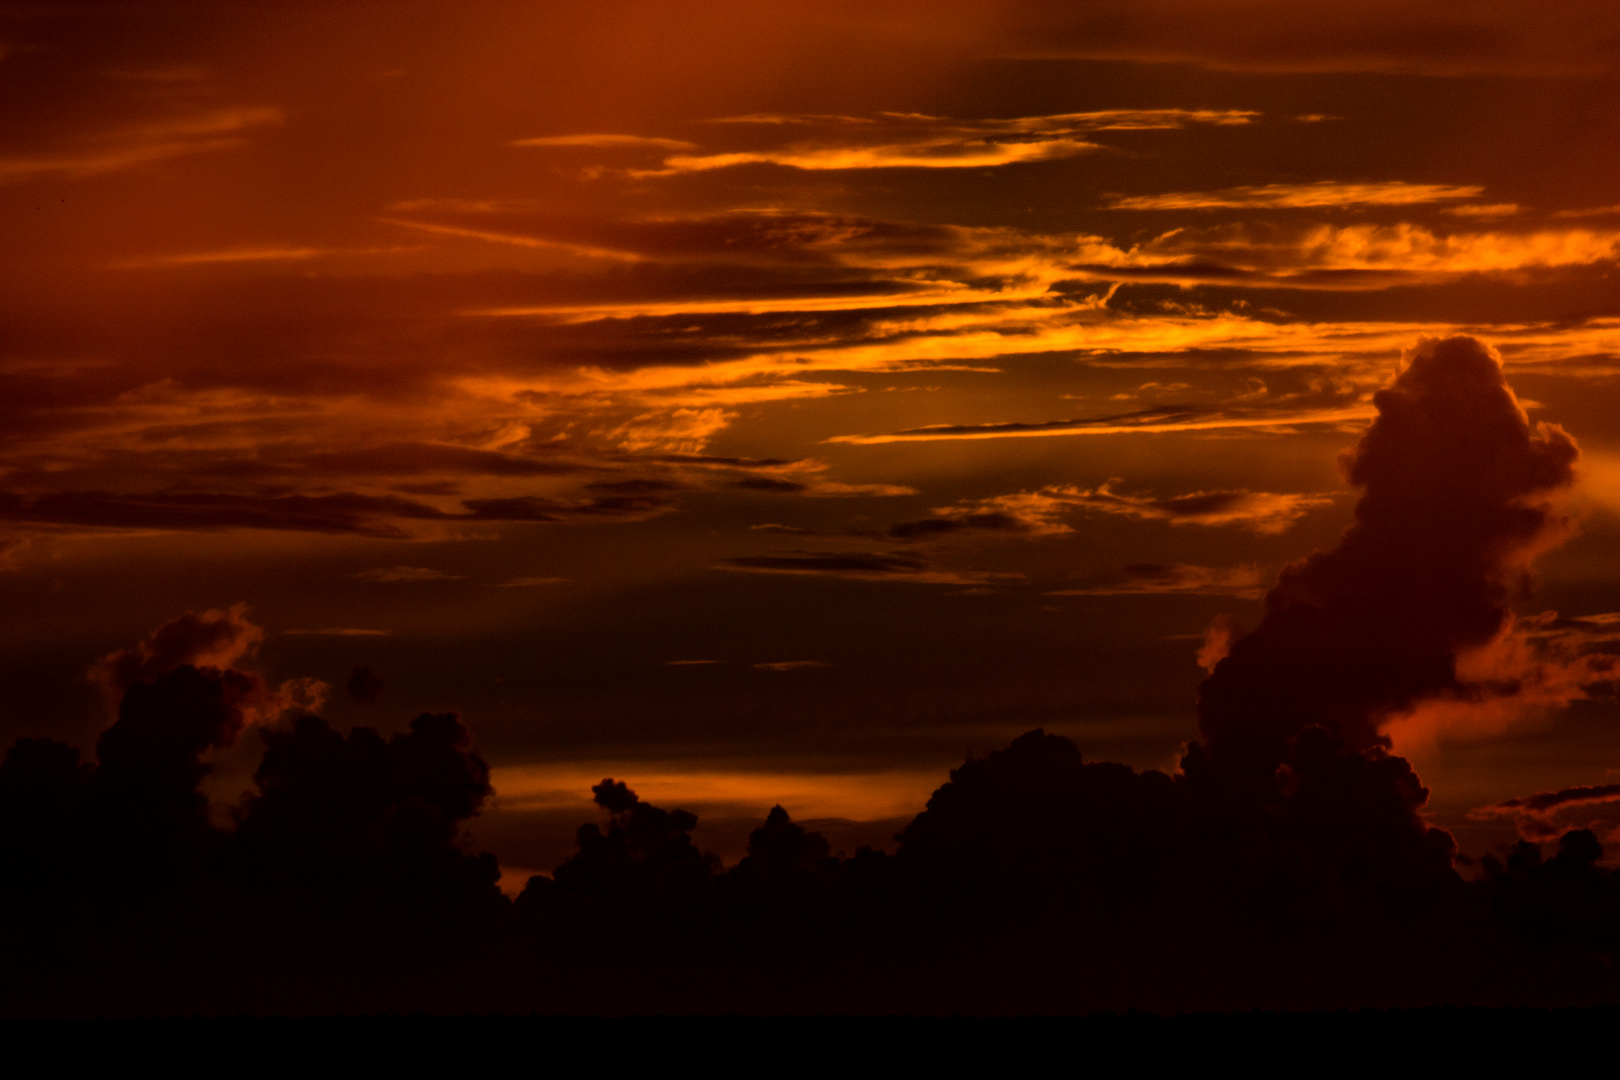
(1456, 504)
(1548, 814)
(215, 642)
(214, 639)
(365, 686)
(859, 567)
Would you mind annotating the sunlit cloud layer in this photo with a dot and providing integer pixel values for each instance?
(1323, 193)
(907, 140)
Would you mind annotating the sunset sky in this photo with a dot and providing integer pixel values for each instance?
(774, 402)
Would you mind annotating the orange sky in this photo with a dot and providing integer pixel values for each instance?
(534, 353)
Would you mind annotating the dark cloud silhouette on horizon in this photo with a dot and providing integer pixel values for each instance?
(1457, 488)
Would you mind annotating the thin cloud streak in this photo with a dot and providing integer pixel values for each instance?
(142, 144)
(917, 141)
(605, 141)
(1322, 193)
(1142, 579)
(1107, 426)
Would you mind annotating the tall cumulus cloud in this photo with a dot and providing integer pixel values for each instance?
(1458, 489)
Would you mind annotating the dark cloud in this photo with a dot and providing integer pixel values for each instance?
(1455, 505)
(1362, 36)
(633, 499)
(395, 575)
(829, 563)
(770, 484)
(1548, 814)
(1548, 800)
(416, 458)
(365, 686)
(1155, 418)
(367, 515)
(943, 526)
(214, 639)
(863, 566)
(1149, 578)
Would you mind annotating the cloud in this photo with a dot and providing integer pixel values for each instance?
(530, 582)
(633, 500)
(1223, 630)
(365, 686)
(228, 255)
(340, 513)
(406, 458)
(834, 489)
(674, 431)
(606, 141)
(1153, 420)
(1374, 36)
(396, 575)
(1348, 256)
(215, 639)
(1491, 210)
(142, 144)
(1322, 193)
(1146, 578)
(1535, 666)
(860, 567)
(1548, 814)
(1589, 211)
(1456, 504)
(519, 240)
(791, 665)
(1258, 511)
(214, 643)
(1041, 513)
(338, 631)
(915, 141)
(957, 520)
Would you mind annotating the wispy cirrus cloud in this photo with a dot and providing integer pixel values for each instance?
(1265, 512)
(861, 566)
(406, 575)
(142, 143)
(1046, 512)
(1318, 194)
(908, 140)
(267, 254)
(608, 141)
(1155, 420)
(1549, 814)
(1244, 582)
